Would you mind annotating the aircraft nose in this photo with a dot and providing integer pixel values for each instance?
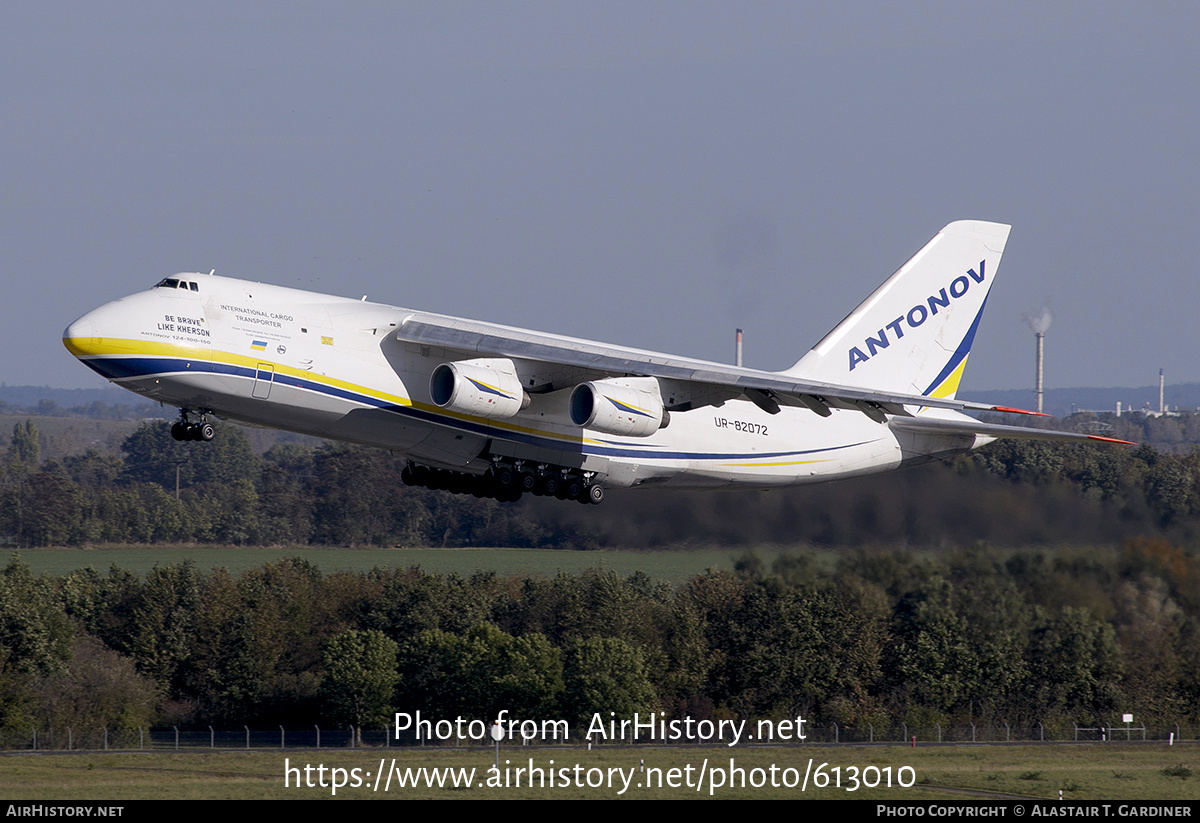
(78, 336)
(96, 331)
(82, 337)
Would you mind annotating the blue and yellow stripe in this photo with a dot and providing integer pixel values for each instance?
(119, 360)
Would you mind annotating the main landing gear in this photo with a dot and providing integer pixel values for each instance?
(507, 482)
(187, 429)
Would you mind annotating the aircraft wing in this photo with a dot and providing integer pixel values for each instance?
(571, 360)
(938, 425)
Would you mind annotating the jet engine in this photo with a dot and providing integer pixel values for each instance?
(486, 387)
(619, 405)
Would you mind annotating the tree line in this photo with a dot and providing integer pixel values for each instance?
(976, 635)
(157, 490)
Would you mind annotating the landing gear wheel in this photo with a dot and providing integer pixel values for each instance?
(527, 481)
(594, 494)
(550, 485)
(206, 432)
(179, 431)
(573, 488)
(505, 476)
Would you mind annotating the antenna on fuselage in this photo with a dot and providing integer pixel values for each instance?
(211, 273)
(738, 350)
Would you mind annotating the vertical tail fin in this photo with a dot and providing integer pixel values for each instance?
(913, 334)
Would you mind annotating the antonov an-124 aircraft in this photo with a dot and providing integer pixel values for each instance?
(498, 411)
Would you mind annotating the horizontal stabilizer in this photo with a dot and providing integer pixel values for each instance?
(965, 425)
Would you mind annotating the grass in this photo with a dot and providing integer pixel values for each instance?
(1085, 772)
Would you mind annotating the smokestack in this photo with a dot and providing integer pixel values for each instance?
(1037, 387)
(1161, 407)
(738, 352)
(1039, 321)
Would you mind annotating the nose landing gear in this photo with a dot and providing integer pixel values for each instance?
(187, 429)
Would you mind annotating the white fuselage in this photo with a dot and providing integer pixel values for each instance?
(333, 367)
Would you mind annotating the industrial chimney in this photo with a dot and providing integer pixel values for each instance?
(1037, 386)
(1039, 321)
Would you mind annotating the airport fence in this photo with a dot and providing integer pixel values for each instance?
(316, 736)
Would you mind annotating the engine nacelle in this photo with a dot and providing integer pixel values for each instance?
(486, 387)
(620, 405)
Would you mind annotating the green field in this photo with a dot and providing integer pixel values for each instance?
(661, 565)
(1083, 772)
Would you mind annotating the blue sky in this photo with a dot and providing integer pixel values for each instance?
(648, 174)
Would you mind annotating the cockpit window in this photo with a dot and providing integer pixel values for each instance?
(173, 283)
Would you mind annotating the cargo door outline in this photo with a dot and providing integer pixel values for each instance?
(264, 377)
